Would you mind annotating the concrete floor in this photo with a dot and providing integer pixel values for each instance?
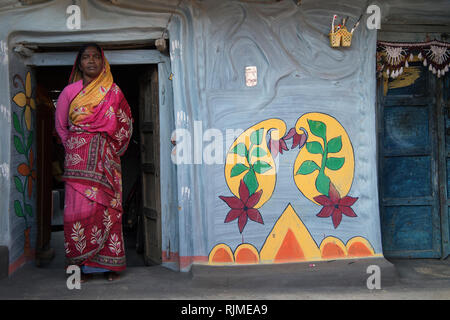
(414, 279)
(418, 279)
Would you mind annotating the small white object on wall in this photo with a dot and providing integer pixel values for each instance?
(251, 76)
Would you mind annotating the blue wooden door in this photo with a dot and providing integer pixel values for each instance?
(408, 148)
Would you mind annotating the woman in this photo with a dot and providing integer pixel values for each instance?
(94, 122)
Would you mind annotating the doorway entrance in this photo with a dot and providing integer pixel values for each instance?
(414, 164)
(140, 164)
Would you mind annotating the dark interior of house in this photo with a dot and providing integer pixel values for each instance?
(50, 82)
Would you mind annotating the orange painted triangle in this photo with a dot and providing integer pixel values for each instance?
(290, 249)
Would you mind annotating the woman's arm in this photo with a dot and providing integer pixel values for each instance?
(61, 116)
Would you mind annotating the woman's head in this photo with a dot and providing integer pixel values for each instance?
(90, 61)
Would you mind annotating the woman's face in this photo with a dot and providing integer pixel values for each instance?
(91, 63)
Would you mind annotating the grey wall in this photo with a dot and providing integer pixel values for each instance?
(211, 44)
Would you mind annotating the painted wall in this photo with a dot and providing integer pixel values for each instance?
(302, 83)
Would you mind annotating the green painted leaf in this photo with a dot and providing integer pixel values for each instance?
(261, 166)
(250, 181)
(307, 167)
(19, 145)
(335, 145)
(323, 184)
(19, 185)
(318, 128)
(16, 123)
(335, 163)
(257, 136)
(259, 152)
(29, 140)
(29, 209)
(18, 208)
(314, 147)
(238, 169)
(240, 149)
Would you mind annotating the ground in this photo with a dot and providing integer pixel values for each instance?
(339, 279)
(416, 279)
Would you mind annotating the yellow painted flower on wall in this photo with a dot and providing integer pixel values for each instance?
(24, 99)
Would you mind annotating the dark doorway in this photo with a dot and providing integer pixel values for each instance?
(50, 199)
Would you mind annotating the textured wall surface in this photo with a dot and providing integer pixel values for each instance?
(211, 44)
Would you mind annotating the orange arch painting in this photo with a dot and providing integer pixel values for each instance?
(246, 254)
(332, 248)
(359, 247)
(221, 254)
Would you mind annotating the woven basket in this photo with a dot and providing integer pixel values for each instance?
(346, 37)
(341, 37)
(335, 39)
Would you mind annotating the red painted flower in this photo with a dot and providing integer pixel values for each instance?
(277, 146)
(335, 206)
(297, 139)
(242, 207)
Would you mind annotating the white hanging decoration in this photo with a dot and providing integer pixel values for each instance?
(434, 55)
(438, 54)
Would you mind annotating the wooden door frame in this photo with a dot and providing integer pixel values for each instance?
(442, 109)
(115, 57)
(433, 202)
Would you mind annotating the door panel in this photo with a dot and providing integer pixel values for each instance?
(149, 133)
(407, 129)
(408, 166)
(402, 221)
(402, 182)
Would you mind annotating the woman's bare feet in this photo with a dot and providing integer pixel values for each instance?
(85, 277)
(111, 276)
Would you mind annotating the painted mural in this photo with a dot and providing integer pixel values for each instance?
(290, 241)
(23, 142)
(298, 184)
(323, 173)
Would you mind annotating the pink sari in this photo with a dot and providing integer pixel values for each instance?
(93, 205)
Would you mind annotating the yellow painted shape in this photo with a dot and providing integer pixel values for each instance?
(266, 181)
(335, 241)
(241, 254)
(289, 220)
(218, 253)
(342, 178)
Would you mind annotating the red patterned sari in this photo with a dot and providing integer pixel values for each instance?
(93, 205)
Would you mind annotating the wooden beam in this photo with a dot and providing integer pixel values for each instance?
(115, 57)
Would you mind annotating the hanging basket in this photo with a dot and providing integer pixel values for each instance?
(342, 37)
(346, 37)
(335, 39)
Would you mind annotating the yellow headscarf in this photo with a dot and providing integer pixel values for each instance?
(89, 97)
